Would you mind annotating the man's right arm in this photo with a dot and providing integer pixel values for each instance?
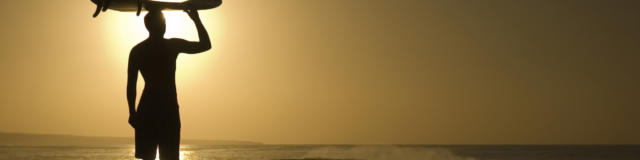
(132, 80)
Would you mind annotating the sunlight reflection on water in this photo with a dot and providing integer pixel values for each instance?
(184, 155)
(238, 152)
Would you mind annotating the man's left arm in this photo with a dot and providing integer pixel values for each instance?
(204, 43)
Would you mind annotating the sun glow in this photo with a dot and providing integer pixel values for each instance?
(179, 25)
(123, 30)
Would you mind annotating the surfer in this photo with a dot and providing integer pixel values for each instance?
(157, 119)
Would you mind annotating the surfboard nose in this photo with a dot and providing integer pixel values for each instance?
(217, 3)
(204, 4)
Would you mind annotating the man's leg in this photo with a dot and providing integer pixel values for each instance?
(169, 145)
(146, 143)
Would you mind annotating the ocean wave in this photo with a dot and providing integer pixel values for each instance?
(382, 153)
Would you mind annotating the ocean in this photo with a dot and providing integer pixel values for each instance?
(337, 152)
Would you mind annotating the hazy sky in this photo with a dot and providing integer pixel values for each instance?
(341, 71)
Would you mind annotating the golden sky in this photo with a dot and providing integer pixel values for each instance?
(341, 71)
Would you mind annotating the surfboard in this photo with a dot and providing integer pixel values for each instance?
(139, 5)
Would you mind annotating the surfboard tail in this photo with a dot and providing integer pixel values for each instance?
(103, 5)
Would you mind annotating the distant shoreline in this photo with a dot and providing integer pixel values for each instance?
(30, 139)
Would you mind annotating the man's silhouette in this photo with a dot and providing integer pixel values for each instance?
(157, 120)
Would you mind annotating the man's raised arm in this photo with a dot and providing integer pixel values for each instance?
(204, 43)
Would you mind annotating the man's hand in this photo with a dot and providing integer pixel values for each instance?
(132, 120)
(193, 13)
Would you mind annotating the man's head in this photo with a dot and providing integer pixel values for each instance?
(155, 23)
